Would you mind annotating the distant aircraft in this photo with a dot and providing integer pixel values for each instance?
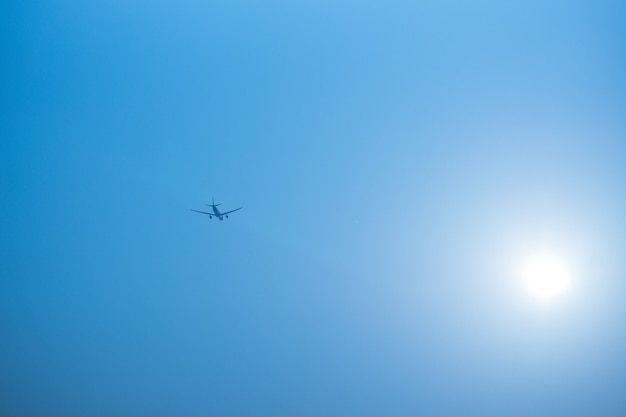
(216, 212)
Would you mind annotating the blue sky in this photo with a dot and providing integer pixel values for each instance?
(397, 161)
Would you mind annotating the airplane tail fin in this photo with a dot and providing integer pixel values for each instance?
(213, 203)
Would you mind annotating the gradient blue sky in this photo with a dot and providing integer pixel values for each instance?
(397, 161)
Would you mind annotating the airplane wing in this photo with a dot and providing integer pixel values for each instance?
(225, 213)
(203, 212)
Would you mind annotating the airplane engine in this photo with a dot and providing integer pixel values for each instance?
(227, 216)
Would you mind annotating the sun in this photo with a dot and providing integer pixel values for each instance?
(546, 276)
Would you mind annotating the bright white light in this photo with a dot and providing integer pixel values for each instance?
(546, 276)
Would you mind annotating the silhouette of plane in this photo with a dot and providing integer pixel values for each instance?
(216, 212)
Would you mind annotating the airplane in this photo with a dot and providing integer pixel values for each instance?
(216, 212)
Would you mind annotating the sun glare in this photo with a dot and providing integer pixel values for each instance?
(546, 276)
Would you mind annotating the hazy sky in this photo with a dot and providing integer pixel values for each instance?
(398, 161)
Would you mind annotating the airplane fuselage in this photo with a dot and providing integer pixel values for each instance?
(216, 212)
